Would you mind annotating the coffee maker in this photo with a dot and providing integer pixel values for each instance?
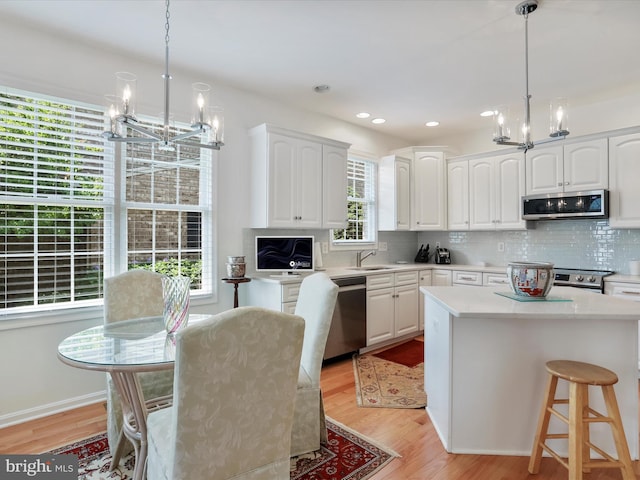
(442, 256)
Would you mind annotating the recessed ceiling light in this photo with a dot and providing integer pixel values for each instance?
(432, 124)
(321, 88)
(363, 115)
(487, 113)
(378, 121)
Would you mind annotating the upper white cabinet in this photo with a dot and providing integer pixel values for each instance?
(624, 172)
(496, 185)
(334, 183)
(394, 187)
(298, 180)
(428, 191)
(458, 195)
(574, 167)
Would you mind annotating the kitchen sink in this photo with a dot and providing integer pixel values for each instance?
(370, 267)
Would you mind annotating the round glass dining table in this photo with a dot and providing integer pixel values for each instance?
(123, 349)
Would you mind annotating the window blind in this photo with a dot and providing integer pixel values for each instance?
(56, 196)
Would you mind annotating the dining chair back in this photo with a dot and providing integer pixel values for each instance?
(233, 401)
(316, 302)
(130, 295)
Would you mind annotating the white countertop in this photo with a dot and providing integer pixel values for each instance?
(475, 302)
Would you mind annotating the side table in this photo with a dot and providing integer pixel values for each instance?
(236, 282)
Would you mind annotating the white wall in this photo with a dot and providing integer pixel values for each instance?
(34, 381)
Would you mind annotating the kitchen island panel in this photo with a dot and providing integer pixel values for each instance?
(485, 377)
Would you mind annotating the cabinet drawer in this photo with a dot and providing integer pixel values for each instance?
(625, 290)
(467, 278)
(380, 281)
(290, 292)
(493, 279)
(425, 278)
(406, 278)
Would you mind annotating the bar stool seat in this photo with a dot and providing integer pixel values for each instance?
(580, 375)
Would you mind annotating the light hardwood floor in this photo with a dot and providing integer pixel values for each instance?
(408, 432)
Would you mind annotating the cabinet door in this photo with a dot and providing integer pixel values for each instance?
(428, 199)
(624, 171)
(406, 310)
(380, 315)
(586, 166)
(509, 189)
(425, 281)
(308, 185)
(334, 186)
(458, 195)
(481, 194)
(544, 170)
(441, 278)
(394, 188)
(282, 181)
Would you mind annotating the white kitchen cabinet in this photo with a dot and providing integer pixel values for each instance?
(394, 188)
(496, 185)
(494, 279)
(574, 167)
(334, 183)
(624, 172)
(392, 306)
(441, 278)
(628, 291)
(458, 195)
(424, 280)
(467, 278)
(274, 295)
(429, 198)
(290, 172)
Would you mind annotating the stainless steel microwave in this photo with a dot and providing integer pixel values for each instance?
(557, 206)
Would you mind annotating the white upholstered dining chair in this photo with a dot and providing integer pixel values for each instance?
(316, 302)
(234, 393)
(129, 295)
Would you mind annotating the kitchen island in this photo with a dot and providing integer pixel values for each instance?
(485, 361)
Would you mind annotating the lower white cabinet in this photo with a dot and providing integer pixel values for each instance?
(629, 291)
(441, 278)
(392, 306)
(273, 295)
(494, 279)
(424, 280)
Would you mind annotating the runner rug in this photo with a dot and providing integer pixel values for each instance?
(347, 455)
(393, 378)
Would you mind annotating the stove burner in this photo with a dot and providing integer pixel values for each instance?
(574, 277)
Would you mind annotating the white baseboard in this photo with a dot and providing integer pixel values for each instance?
(40, 411)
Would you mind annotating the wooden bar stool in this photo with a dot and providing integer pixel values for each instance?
(580, 375)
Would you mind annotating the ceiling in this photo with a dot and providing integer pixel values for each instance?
(409, 61)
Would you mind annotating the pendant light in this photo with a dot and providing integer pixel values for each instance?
(558, 108)
(207, 122)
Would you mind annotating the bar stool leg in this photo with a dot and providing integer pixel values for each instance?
(576, 427)
(618, 432)
(586, 438)
(543, 425)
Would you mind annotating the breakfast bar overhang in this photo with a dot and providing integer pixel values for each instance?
(485, 358)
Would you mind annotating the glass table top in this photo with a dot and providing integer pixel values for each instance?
(127, 344)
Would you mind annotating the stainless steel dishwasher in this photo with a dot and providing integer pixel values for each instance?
(348, 332)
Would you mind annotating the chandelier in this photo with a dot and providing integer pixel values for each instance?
(207, 122)
(558, 108)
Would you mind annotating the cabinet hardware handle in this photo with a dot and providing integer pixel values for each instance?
(559, 184)
(627, 292)
(566, 183)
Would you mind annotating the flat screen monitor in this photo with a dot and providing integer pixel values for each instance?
(284, 254)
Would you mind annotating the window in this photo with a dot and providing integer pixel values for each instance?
(69, 201)
(361, 188)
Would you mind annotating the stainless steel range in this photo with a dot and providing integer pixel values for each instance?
(573, 277)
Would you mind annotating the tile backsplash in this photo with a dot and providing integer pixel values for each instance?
(589, 244)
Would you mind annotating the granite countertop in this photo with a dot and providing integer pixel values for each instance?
(473, 302)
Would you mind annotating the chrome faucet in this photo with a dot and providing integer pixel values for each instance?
(360, 258)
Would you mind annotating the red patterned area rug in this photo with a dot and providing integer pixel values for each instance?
(347, 456)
